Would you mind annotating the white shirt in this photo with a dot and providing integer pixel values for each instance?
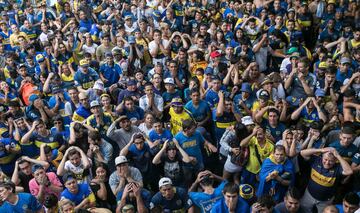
(158, 100)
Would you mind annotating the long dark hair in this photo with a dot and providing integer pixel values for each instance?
(241, 131)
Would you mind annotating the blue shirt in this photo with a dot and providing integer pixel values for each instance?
(200, 112)
(179, 203)
(86, 80)
(212, 98)
(192, 145)
(137, 114)
(323, 182)
(25, 203)
(111, 73)
(83, 192)
(220, 206)
(205, 202)
(346, 152)
(275, 132)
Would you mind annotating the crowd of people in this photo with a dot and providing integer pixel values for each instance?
(180, 106)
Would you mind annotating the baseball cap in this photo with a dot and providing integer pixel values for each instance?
(165, 181)
(123, 117)
(247, 120)
(127, 207)
(108, 54)
(246, 191)
(116, 50)
(323, 65)
(169, 81)
(39, 58)
(245, 87)
(94, 104)
(291, 50)
(120, 160)
(131, 83)
(320, 93)
(177, 102)
(128, 17)
(264, 95)
(291, 10)
(35, 167)
(209, 71)
(21, 65)
(345, 60)
(84, 63)
(99, 85)
(266, 81)
(156, 14)
(215, 54)
(295, 55)
(331, 2)
(131, 40)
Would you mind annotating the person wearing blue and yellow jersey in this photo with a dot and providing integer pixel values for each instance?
(212, 96)
(100, 121)
(264, 101)
(80, 194)
(29, 30)
(260, 148)
(344, 146)
(62, 55)
(39, 134)
(305, 20)
(85, 76)
(309, 111)
(57, 103)
(5, 35)
(9, 150)
(326, 173)
(177, 115)
(224, 115)
(82, 112)
(110, 72)
(276, 174)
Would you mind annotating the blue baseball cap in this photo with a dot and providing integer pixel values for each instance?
(246, 87)
(33, 97)
(209, 71)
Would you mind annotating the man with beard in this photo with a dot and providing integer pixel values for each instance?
(82, 112)
(291, 203)
(123, 135)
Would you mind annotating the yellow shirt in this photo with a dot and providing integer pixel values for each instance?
(254, 165)
(177, 119)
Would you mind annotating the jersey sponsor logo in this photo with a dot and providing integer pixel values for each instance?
(321, 179)
(189, 144)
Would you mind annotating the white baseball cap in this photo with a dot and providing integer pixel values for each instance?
(120, 160)
(164, 181)
(169, 81)
(247, 120)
